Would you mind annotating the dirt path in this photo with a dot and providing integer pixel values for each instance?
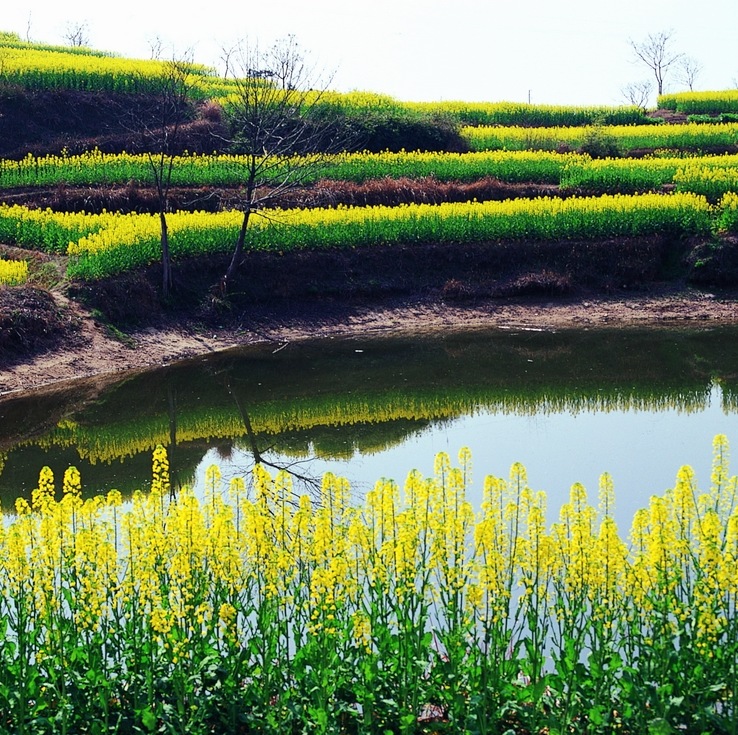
(96, 352)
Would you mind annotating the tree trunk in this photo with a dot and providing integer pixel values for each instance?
(166, 265)
(238, 251)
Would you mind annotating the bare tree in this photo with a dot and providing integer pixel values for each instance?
(638, 93)
(688, 71)
(278, 126)
(156, 47)
(77, 34)
(159, 132)
(656, 53)
(227, 54)
(287, 64)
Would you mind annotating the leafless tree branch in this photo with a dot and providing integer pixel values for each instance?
(158, 130)
(656, 53)
(688, 71)
(279, 128)
(77, 34)
(638, 93)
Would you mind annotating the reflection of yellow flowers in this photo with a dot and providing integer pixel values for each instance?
(160, 482)
(127, 439)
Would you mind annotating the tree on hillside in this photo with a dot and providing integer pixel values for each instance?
(638, 93)
(279, 126)
(77, 34)
(158, 130)
(28, 29)
(688, 71)
(156, 47)
(655, 51)
(227, 54)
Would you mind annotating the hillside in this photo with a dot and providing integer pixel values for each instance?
(649, 269)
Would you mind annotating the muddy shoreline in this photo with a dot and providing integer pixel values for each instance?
(95, 351)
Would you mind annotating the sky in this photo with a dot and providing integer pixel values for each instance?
(568, 52)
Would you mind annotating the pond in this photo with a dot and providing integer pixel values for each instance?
(569, 405)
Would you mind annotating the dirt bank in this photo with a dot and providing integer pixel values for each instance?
(93, 350)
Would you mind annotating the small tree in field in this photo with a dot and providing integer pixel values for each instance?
(638, 93)
(76, 34)
(656, 53)
(278, 126)
(159, 131)
(689, 70)
(28, 29)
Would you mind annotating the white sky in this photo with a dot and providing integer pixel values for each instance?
(565, 52)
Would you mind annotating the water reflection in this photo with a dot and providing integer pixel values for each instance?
(369, 407)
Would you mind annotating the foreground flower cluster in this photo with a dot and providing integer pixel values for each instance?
(13, 272)
(249, 609)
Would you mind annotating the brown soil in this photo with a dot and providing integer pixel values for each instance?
(47, 121)
(326, 193)
(92, 350)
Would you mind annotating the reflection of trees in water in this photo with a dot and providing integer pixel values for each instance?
(287, 410)
(301, 431)
(298, 470)
(730, 397)
(366, 423)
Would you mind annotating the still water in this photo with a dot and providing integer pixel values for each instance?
(569, 405)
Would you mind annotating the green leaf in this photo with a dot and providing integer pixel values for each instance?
(596, 716)
(407, 720)
(148, 719)
(660, 726)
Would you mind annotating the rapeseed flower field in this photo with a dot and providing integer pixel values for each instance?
(248, 608)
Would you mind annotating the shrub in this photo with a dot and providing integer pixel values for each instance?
(599, 142)
(391, 130)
